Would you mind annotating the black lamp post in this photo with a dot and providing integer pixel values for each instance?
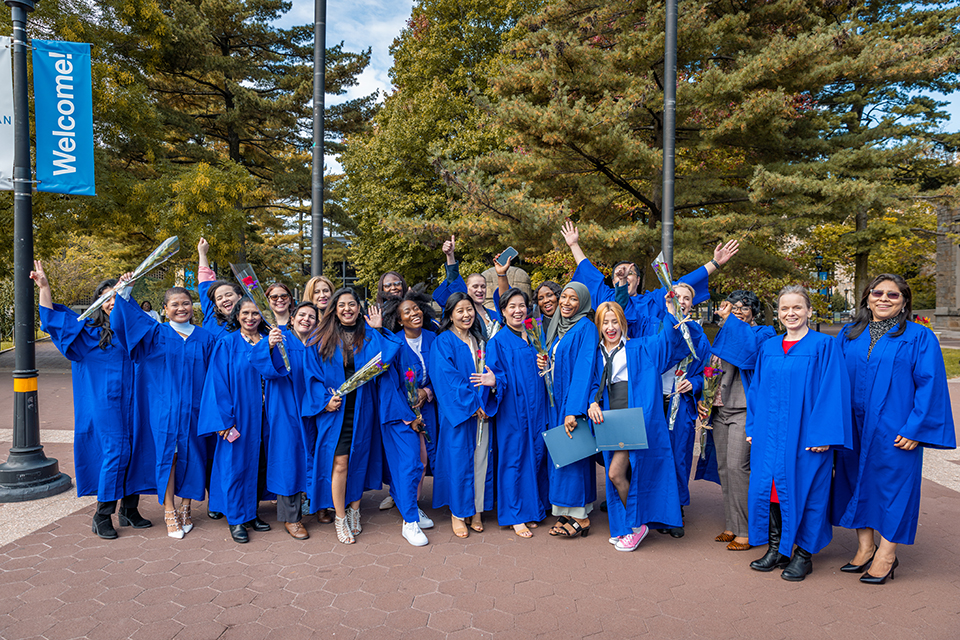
(669, 130)
(27, 474)
(319, 85)
(819, 262)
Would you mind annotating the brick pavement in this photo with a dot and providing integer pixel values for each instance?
(63, 582)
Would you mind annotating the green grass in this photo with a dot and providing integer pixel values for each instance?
(951, 358)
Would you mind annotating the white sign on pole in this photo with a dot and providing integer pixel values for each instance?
(6, 113)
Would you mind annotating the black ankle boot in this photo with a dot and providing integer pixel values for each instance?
(103, 526)
(801, 565)
(772, 559)
(132, 518)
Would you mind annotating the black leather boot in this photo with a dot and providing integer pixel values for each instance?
(129, 516)
(772, 559)
(801, 565)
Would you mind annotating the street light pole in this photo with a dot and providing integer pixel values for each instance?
(319, 85)
(27, 474)
(669, 131)
(819, 262)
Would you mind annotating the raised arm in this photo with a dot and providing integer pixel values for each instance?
(503, 283)
(40, 278)
(722, 255)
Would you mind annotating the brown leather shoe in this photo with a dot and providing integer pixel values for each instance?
(297, 530)
(325, 516)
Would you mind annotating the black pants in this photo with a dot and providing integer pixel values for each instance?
(288, 508)
(109, 508)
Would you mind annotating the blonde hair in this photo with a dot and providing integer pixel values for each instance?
(617, 312)
(693, 294)
(308, 289)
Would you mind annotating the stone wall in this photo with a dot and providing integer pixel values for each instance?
(948, 269)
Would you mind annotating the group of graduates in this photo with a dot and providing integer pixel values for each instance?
(806, 431)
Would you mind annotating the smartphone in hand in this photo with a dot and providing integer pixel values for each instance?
(233, 434)
(508, 253)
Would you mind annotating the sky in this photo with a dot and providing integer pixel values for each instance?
(373, 24)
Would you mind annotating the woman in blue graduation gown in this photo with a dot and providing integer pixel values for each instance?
(686, 392)
(217, 297)
(173, 363)
(113, 460)
(463, 477)
(572, 342)
(901, 404)
(347, 457)
(521, 416)
(735, 350)
(798, 407)
(410, 318)
(233, 399)
(290, 454)
(641, 484)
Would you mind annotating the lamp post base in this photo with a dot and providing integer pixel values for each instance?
(31, 476)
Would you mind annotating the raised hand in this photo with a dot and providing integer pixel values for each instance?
(449, 248)
(276, 336)
(203, 247)
(39, 276)
(724, 309)
(724, 252)
(570, 233)
(485, 379)
(375, 317)
(501, 269)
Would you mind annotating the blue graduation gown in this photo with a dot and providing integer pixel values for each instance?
(409, 360)
(233, 396)
(519, 422)
(900, 390)
(209, 310)
(401, 444)
(365, 466)
(574, 355)
(654, 492)
(451, 364)
(454, 282)
(797, 400)
(685, 427)
(170, 383)
(292, 439)
(643, 311)
(112, 457)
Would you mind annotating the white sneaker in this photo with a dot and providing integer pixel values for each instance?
(387, 503)
(411, 531)
(631, 541)
(614, 539)
(425, 521)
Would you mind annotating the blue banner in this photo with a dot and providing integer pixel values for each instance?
(63, 100)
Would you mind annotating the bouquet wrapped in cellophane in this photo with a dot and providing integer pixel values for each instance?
(481, 365)
(711, 386)
(663, 274)
(365, 374)
(167, 249)
(412, 396)
(534, 329)
(248, 280)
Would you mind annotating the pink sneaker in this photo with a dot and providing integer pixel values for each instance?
(631, 541)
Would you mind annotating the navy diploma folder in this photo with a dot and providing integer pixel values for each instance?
(564, 450)
(621, 430)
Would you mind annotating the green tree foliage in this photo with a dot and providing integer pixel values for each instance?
(443, 59)
(789, 114)
(203, 124)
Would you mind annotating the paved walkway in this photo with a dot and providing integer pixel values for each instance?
(60, 581)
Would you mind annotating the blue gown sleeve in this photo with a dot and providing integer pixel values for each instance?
(216, 401)
(452, 283)
(69, 336)
(457, 398)
(317, 393)
(703, 355)
(268, 362)
(585, 356)
(827, 401)
(591, 277)
(206, 306)
(699, 279)
(499, 363)
(931, 421)
(394, 406)
(738, 343)
(135, 330)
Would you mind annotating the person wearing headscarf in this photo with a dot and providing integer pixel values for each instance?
(572, 342)
(901, 405)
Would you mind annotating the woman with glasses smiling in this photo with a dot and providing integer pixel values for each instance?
(735, 351)
(281, 299)
(900, 405)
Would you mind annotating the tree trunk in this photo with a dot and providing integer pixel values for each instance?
(861, 258)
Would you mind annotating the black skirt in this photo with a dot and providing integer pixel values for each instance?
(349, 403)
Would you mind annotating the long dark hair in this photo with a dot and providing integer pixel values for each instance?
(416, 295)
(382, 296)
(330, 333)
(864, 316)
(233, 320)
(306, 304)
(99, 319)
(447, 322)
(222, 318)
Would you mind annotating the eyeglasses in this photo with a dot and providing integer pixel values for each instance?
(279, 296)
(879, 293)
(739, 308)
(391, 285)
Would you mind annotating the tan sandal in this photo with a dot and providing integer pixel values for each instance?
(476, 523)
(459, 527)
(522, 531)
(738, 546)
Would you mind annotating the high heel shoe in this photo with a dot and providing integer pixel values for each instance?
(869, 579)
(174, 530)
(353, 521)
(859, 568)
(186, 522)
(344, 534)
